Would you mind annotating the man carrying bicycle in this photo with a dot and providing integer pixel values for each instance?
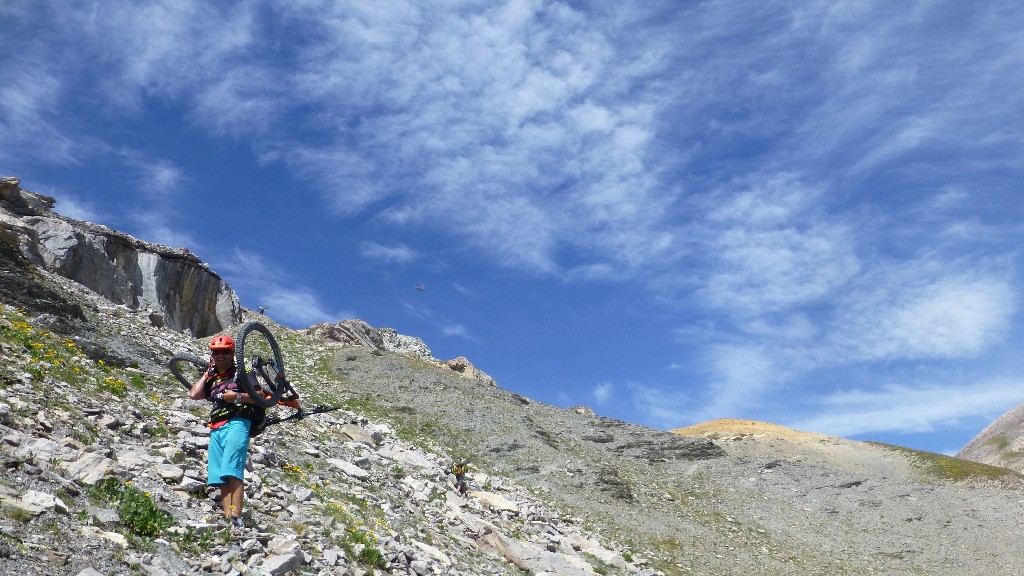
(229, 427)
(459, 470)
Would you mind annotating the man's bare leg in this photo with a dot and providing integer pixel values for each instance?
(232, 494)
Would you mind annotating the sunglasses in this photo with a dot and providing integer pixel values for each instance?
(220, 353)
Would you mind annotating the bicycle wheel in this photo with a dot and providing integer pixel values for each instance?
(260, 365)
(187, 368)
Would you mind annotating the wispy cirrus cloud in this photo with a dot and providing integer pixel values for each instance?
(772, 247)
(457, 331)
(159, 179)
(910, 408)
(29, 99)
(941, 315)
(397, 253)
(664, 407)
(260, 282)
(547, 165)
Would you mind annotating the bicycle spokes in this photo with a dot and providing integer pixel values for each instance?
(259, 360)
(273, 378)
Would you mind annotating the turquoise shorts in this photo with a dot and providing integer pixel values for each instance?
(229, 447)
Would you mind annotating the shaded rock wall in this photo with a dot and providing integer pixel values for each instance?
(173, 283)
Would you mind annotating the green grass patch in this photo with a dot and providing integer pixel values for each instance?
(357, 537)
(139, 514)
(200, 541)
(48, 356)
(84, 431)
(372, 556)
(15, 514)
(949, 468)
(1000, 442)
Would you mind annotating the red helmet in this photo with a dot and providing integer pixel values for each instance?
(222, 343)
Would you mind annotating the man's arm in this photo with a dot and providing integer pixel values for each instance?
(198, 390)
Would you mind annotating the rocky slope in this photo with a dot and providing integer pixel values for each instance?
(105, 466)
(1001, 443)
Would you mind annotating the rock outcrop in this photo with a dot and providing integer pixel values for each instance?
(179, 290)
(1001, 443)
(358, 333)
(348, 333)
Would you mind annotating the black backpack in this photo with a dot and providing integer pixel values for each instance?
(257, 416)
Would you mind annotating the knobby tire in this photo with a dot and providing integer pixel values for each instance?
(264, 363)
(187, 368)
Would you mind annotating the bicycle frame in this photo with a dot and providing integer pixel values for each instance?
(289, 396)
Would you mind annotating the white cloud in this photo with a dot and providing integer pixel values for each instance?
(771, 248)
(567, 121)
(159, 232)
(531, 116)
(908, 409)
(30, 98)
(761, 272)
(399, 253)
(920, 313)
(159, 179)
(603, 392)
(465, 290)
(70, 205)
(298, 306)
(662, 407)
(182, 49)
(263, 283)
(456, 330)
(771, 201)
(741, 375)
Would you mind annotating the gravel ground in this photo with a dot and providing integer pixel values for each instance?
(731, 498)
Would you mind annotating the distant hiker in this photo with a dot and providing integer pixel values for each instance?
(229, 427)
(459, 470)
(262, 309)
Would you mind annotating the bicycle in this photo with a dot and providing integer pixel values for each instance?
(262, 377)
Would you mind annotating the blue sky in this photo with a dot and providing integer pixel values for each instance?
(805, 213)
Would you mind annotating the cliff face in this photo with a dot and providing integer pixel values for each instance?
(173, 283)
